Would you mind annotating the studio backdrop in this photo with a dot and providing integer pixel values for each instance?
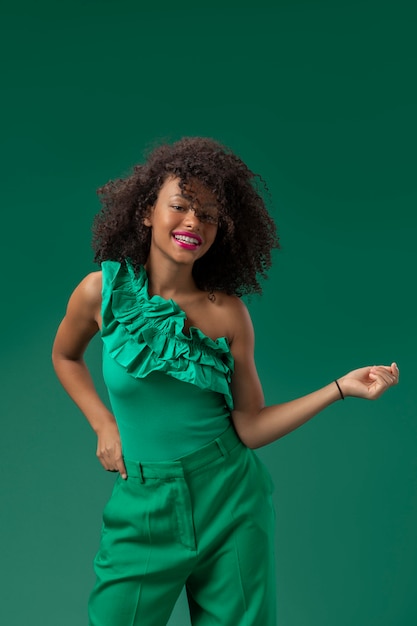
(319, 98)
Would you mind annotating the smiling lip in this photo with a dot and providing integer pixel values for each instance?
(187, 240)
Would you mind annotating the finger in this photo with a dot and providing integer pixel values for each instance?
(395, 370)
(392, 369)
(107, 460)
(121, 468)
(387, 368)
(101, 458)
(118, 462)
(104, 464)
(382, 376)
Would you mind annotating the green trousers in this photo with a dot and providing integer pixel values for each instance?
(205, 521)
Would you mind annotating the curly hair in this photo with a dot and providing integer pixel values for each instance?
(241, 252)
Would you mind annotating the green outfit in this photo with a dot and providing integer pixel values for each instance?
(196, 507)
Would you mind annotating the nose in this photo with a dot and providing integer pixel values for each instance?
(191, 218)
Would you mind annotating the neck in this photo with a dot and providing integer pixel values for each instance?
(168, 280)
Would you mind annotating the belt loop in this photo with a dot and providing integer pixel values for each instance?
(141, 476)
(221, 447)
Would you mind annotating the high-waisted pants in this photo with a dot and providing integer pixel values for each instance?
(205, 521)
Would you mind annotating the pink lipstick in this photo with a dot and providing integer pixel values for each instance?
(187, 240)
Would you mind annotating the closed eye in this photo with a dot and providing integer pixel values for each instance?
(203, 216)
(208, 218)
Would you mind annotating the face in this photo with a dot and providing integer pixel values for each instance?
(183, 221)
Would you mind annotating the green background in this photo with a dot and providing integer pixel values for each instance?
(319, 97)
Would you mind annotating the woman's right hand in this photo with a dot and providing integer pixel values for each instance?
(81, 322)
(109, 449)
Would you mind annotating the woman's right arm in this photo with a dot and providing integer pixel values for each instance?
(80, 324)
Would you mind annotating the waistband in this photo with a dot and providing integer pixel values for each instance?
(222, 446)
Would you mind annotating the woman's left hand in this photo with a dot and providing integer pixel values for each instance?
(369, 382)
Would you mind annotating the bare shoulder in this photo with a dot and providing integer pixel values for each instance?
(81, 320)
(86, 297)
(232, 304)
(235, 315)
(90, 287)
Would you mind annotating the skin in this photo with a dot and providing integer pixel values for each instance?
(169, 268)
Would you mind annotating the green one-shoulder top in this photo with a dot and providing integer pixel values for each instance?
(169, 391)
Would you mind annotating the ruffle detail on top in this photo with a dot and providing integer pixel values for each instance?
(145, 334)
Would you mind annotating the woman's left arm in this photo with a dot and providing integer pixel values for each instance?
(258, 425)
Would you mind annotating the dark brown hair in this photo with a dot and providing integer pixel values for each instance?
(241, 252)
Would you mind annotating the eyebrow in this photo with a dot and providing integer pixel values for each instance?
(186, 197)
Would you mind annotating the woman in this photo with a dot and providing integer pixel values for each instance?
(179, 240)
